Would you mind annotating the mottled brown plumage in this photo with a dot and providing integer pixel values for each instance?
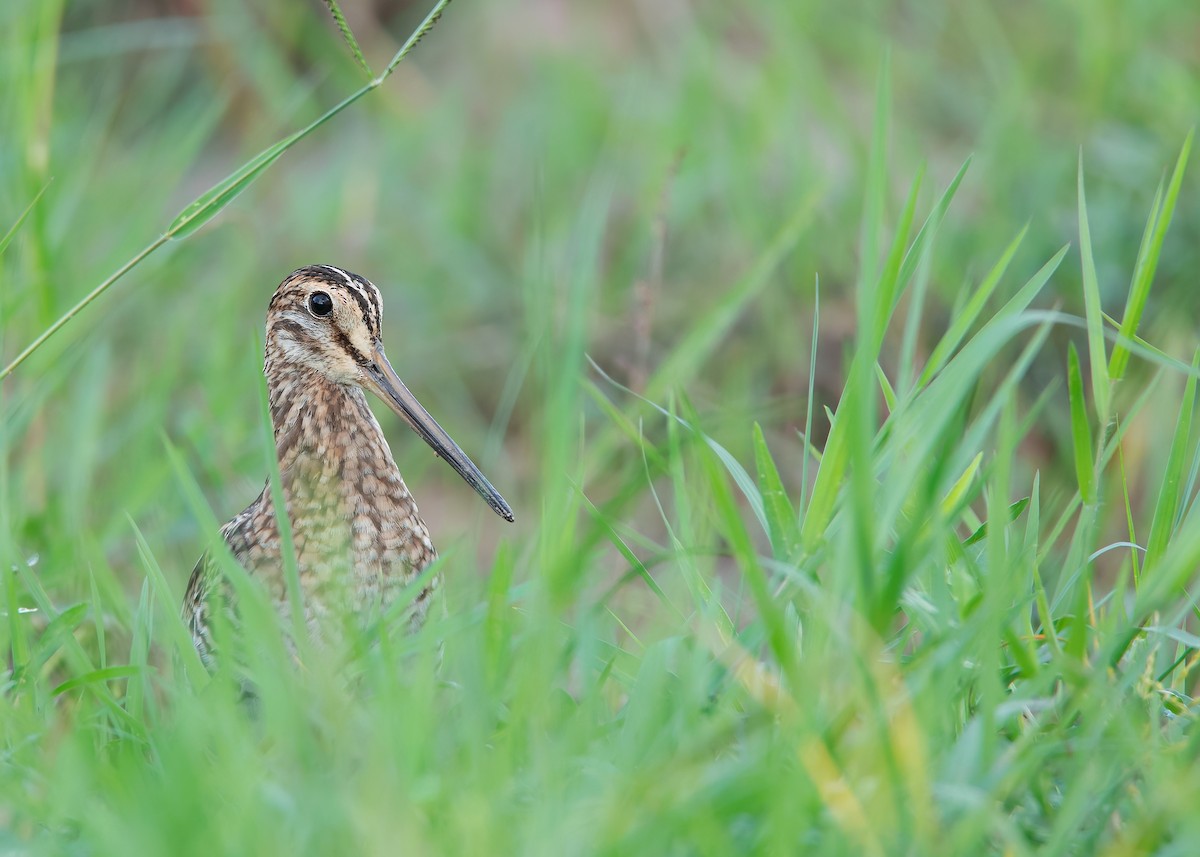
(358, 538)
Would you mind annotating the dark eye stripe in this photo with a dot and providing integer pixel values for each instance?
(298, 331)
(346, 345)
(364, 305)
(372, 295)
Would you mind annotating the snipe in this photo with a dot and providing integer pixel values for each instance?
(357, 535)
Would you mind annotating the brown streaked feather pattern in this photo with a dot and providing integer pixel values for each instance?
(359, 540)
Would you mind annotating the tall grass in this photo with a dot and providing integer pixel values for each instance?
(907, 568)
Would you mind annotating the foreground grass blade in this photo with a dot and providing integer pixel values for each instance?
(971, 311)
(96, 677)
(1081, 434)
(1162, 525)
(890, 286)
(1147, 263)
(808, 404)
(181, 646)
(781, 516)
(923, 240)
(830, 475)
(56, 632)
(734, 530)
(1014, 512)
(740, 476)
(1091, 300)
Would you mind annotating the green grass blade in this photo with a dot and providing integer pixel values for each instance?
(1081, 433)
(736, 470)
(18, 637)
(1014, 512)
(1091, 299)
(831, 473)
(741, 546)
(1134, 560)
(182, 646)
(12, 230)
(923, 428)
(953, 499)
(82, 304)
(1025, 295)
(139, 652)
(812, 384)
(1162, 525)
(923, 241)
(890, 285)
(210, 203)
(885, 387)
(97, 607)
(1142, 257)
(781, 517)
(56, 632)
(970, 313)
(1147, 263)
(741, 478)
(95, 677)
(627, 553)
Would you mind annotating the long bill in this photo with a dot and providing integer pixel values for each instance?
(383, 381)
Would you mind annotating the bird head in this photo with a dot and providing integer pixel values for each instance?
(328, 321)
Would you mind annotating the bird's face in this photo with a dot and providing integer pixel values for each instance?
(328, 320)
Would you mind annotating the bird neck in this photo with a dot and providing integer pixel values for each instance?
(315, 418)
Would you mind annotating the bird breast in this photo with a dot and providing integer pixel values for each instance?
(359, 540)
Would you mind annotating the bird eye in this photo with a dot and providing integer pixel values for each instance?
(320, 304)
